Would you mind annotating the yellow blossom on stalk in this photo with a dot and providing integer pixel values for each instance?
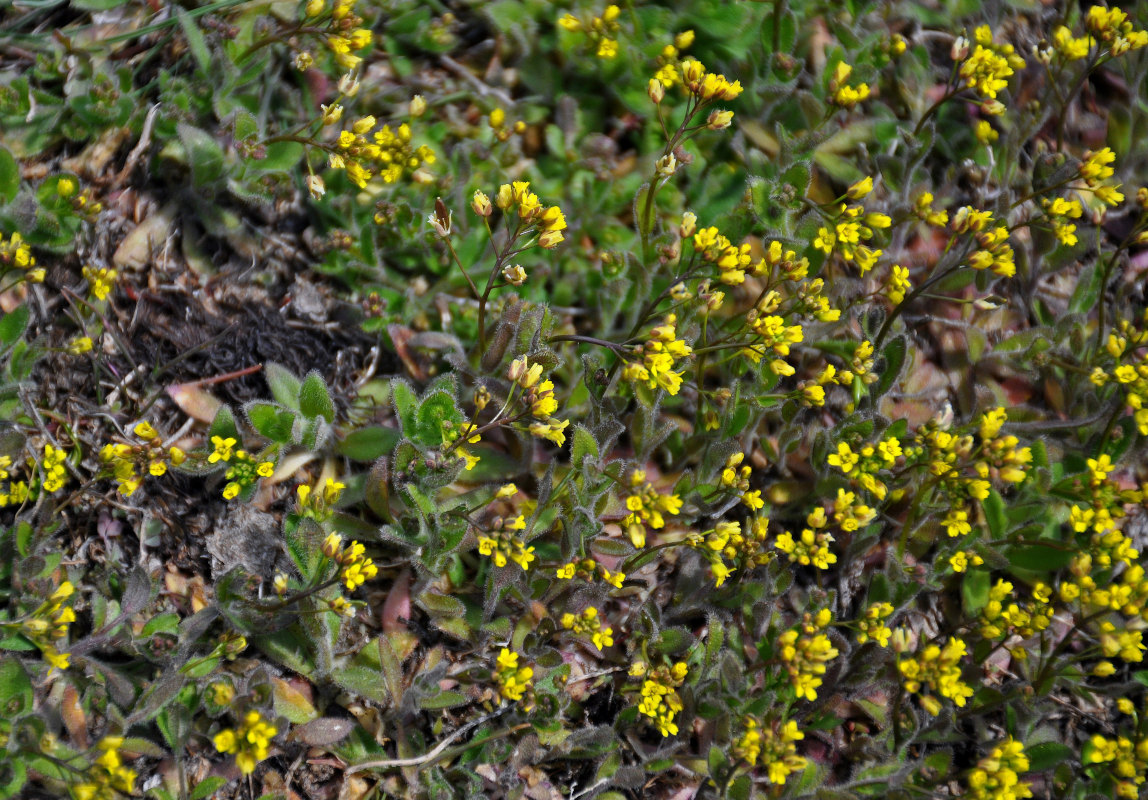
(873, 626)
(588, 569)
(502, 543)
(512, 680)
(250, 742)
(658, 356)
(987, 69)
(660, 700)
(15, 252)
(997, 776)
(80, 345)
(107, 777)
(52, 471)
(841, 93)
(243, 470)
(47, 625)
(773, 749)
(588, 622)
(961, 560)
(647, 507)
(898, 284)
(100, 281)
(937, 669)
(805, 651)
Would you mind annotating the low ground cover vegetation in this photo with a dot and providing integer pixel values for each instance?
(505, 398)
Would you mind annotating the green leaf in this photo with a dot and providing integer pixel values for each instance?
(271, 420)
(406, 406)
(442, 700)
(13, 324)
(223, 425)
(894, 353)
(15, 689)
(583, 446)
(280, 157)
(315, 399)
(975, 590)
(1047, 755)
(995, 514)
(441, 605)
(368, 444)
(1039, 557)
(204, 155)
(9, 176)
(436, 409)
(207, 787)
(283, 384)
(195, 41)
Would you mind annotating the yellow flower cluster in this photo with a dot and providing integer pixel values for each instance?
(513, 681)
(1112, 26)
(389, 155)
(1001, 453)
(100, 281)
(1127, 760)
(993, 250)
(728, 548)
(16, 492)
(873, 627)
(924, 211)
(355, 568)
(317, 505)
(841, 94)
(600, 31)
(1095, 169)
(660, 699)
(1058, 212)
(588, 622)
(669, 72)
(812, 545)
(345, 33)
(998, 619)
(107, 778)
(735, 476)
(243, 470)
(16, 254)
(48, 624)
(250, 742)
(772, 333)
(863, 465)
(997, 776)
(731, 260)
(804, 651)
(588, 569)
(987, 70)
(647, 508)
(939, 670)
(774, 749)
(539, 396)
(947, 455)
(851, 228)
(127, 463)
(655, 358)
(548, 223)
(502, 543)
(1129, 371)
(53, 475)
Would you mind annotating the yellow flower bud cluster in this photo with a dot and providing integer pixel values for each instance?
(841, 93)
(1112, 26)
(128, 463)
(987, 69)
(660, 700)
(655, 366)
(548, 223)
(47, 625)
(250, 742)
(1126, 759)
(317, 504)
(355, 568)
(587, 569)
(107, 777)
(389, 155)
(647, 508)
(937, 669)
(774, 749)
(502, 543)
(589, 623)
(600, 32)
(243, 470)
(16, 254)
(513, 681)
(852, 229)
(539, 396)
(804, 652)
(997, 776)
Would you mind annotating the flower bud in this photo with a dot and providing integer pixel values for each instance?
(960, 49)
(550, 239)
(314, 8)
(349, 84)
(719, 120)
(667, 165)
(689, 224)
(418, 106)
(316, 186)
(303, 61)
(656, 91)
(480, 203)
(516, 275)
